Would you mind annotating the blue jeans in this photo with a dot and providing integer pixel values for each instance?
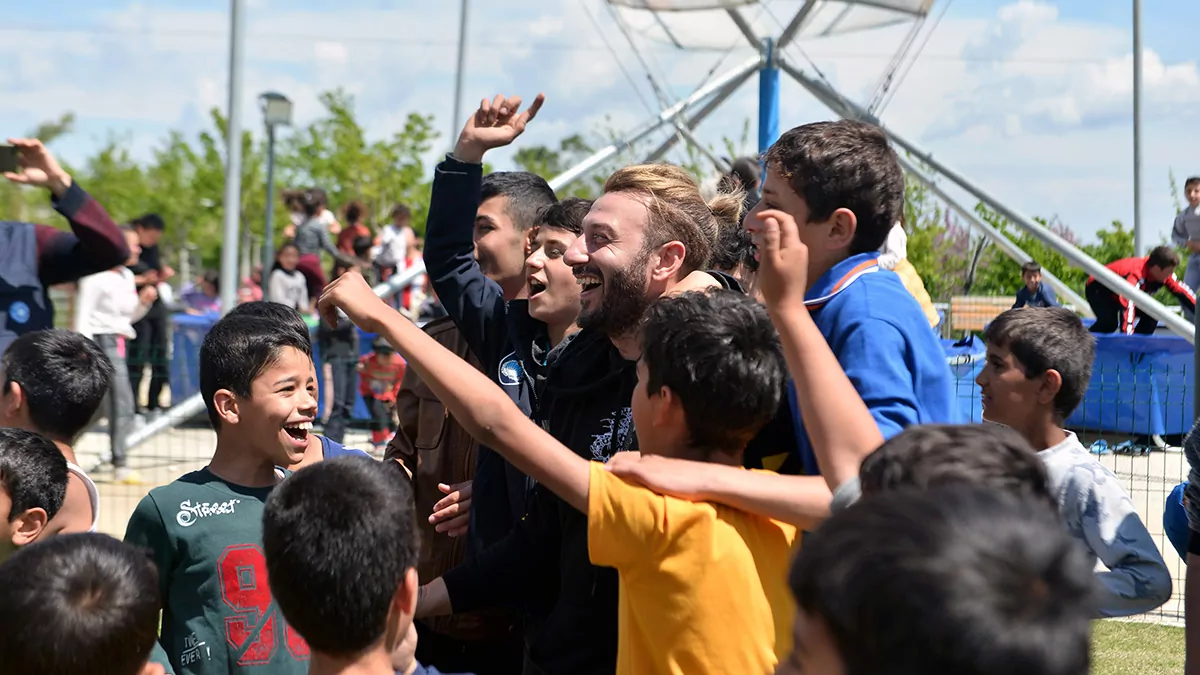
(345, 388)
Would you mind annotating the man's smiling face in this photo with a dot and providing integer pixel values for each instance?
(610, 263)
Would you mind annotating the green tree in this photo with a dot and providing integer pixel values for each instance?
(334, 153)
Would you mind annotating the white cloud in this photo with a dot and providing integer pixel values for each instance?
(333, 53)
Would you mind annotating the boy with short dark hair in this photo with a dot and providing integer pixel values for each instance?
(1117, 314)
(80, 603)
(1017, 597)
(319, 447)
(931, 456)
(33, 483)
(688, 570)
(341, 547)
(1039, 364)
(53, 383)
(1034, 293)
(841, 181)
(205, 529)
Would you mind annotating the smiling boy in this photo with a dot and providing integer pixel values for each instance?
(204, 531)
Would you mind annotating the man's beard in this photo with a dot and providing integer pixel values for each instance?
(624, 302)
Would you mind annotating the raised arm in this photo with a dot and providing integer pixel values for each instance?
(94, 244)
(483, 409)
(475, 302)
(326, 242)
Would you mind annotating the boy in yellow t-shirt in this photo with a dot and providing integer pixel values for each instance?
(703, 586)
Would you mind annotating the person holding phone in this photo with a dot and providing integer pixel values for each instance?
(35, 257)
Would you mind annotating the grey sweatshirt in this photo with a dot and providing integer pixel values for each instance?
(1098, 512)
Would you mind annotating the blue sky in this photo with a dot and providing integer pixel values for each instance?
(1030, 98)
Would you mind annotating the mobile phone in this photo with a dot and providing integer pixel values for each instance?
(8, 158)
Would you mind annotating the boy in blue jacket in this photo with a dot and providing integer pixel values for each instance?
(842, 183)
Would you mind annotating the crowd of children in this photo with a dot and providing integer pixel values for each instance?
(625, 388)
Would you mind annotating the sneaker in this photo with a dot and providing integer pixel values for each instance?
(127, 476)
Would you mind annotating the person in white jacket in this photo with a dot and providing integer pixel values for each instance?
(106, 307)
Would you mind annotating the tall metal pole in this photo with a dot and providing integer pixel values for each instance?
(1139, 240)
(768, 98)
(268, 258)
(233, 161)
(456, 122)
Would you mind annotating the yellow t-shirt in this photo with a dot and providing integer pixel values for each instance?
(703, 586)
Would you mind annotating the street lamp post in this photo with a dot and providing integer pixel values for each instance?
(277, 111)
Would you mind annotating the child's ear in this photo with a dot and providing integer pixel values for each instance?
(226, 404)
(667, 407)
(405, 599)
(1051, 385)
(843, 226)
(13, 399)
(28, 526)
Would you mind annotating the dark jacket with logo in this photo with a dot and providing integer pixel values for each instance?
(477, 306)
(584, 388)
(436, 449)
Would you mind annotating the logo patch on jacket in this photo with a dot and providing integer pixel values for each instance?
(510, 371)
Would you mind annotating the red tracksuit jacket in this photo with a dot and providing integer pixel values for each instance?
(1134, 271)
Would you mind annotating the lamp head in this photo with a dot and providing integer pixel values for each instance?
(277, 109)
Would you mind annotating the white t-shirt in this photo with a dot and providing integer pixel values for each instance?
(107, 304)
(288, 288)
(93, 493)
(393, 246)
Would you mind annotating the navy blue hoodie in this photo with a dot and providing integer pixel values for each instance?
(477, 306)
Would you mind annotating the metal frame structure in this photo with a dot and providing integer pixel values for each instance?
(718, 90)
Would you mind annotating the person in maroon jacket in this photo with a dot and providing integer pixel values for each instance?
(1115, 313)
(35, 257)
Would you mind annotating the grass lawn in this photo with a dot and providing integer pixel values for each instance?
(1122, 648)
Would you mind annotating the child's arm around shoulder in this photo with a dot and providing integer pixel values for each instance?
(479, 405)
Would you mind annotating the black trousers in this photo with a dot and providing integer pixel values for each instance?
(381, 414)
(151, 348)
(1108, 311)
